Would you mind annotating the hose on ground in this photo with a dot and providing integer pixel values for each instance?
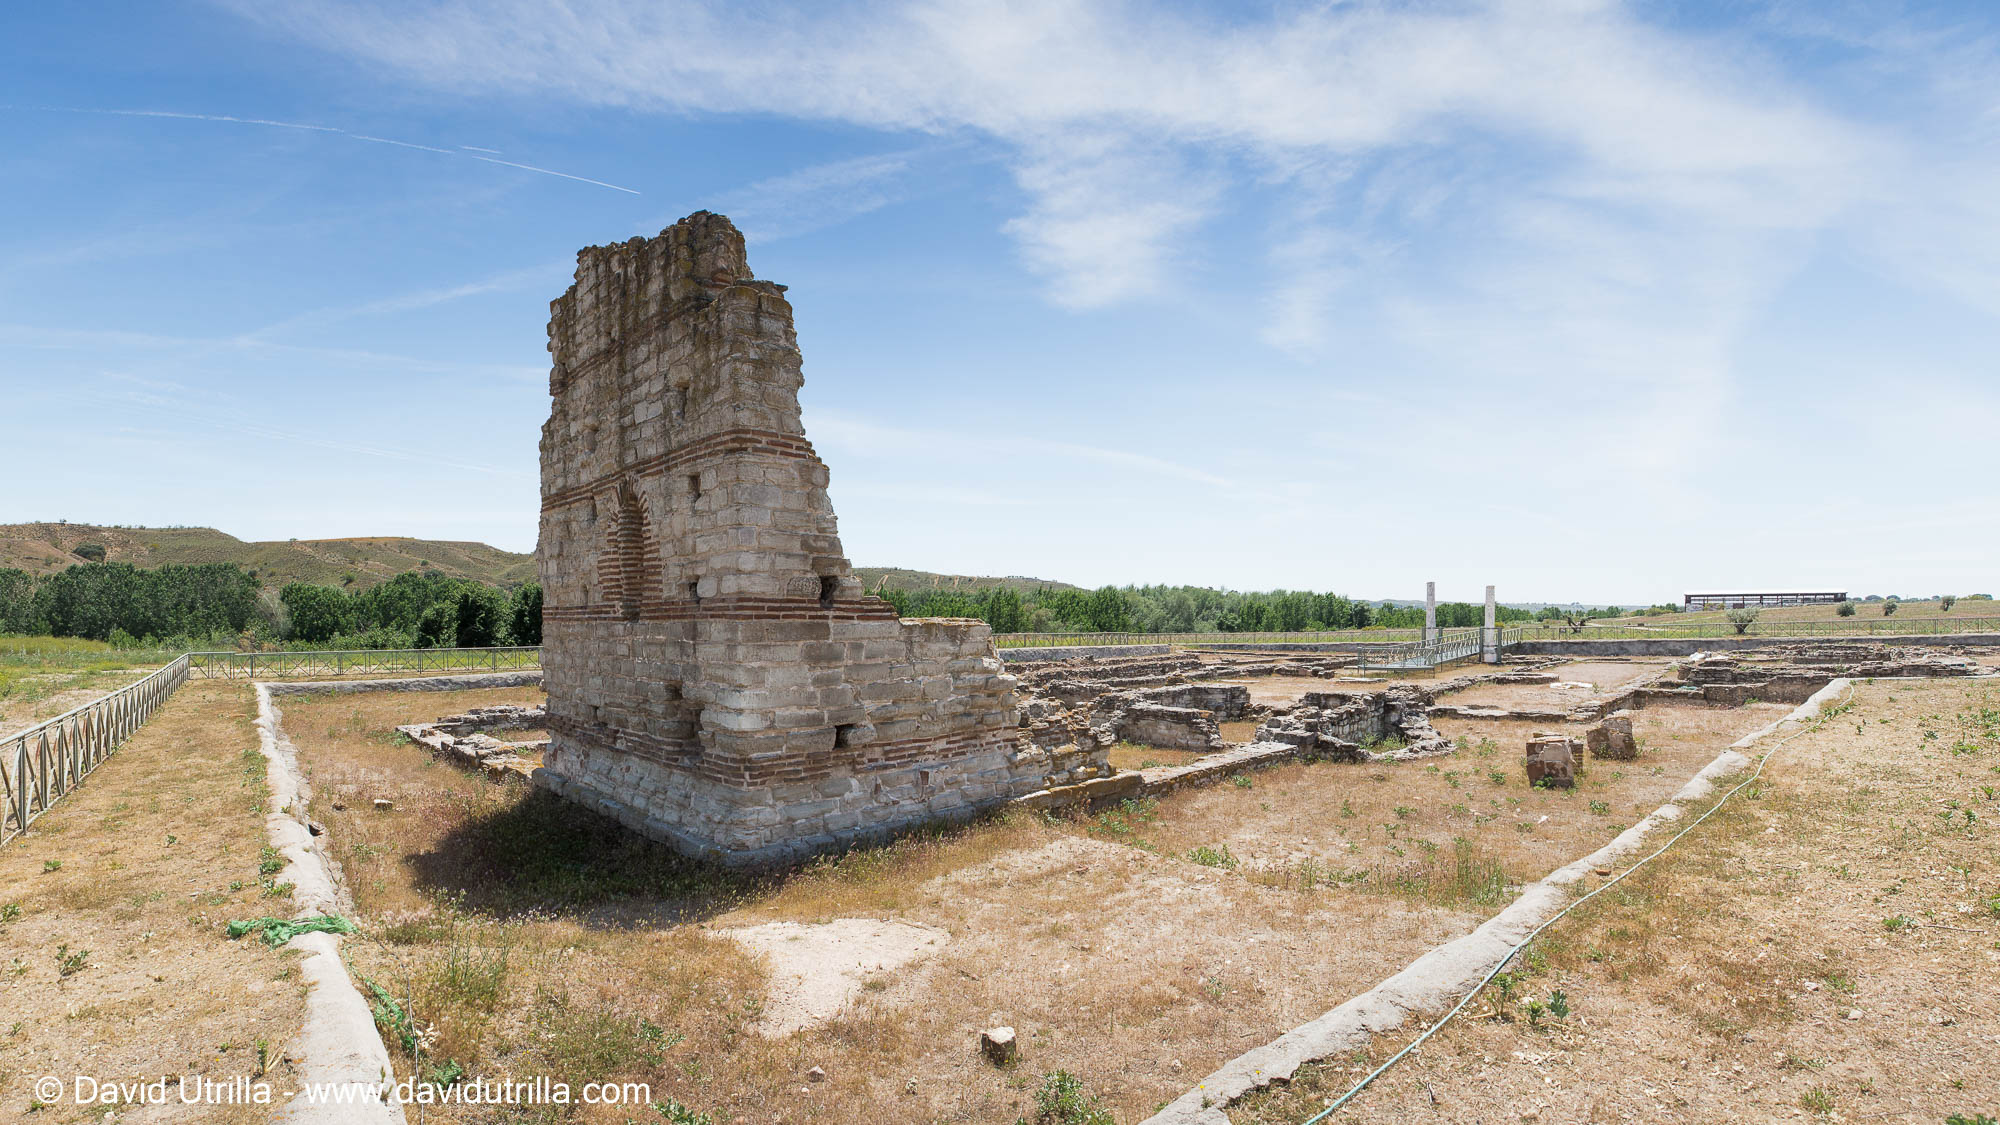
(1558, 916)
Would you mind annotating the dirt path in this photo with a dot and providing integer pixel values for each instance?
(111, 922)
(1824, 948)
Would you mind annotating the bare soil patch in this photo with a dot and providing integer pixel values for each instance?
(1139, 756)
(535, 938)
(1823, 949)
(1464, 828)
(1605, 678)
(117, 965)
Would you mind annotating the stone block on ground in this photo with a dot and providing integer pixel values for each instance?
(1551, 761)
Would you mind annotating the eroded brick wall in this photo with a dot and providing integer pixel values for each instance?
(716, 676)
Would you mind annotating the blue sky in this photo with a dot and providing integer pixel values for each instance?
(1589, 300)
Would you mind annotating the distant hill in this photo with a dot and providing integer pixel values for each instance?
(45, 548)
(896, 578)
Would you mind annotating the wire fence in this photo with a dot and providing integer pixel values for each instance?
(1083, 640)
(1515, 632)
(353, 662)
(39, 765)
(1448, 646)
(1912, 626)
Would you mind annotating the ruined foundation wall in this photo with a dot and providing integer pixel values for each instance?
(716, 676)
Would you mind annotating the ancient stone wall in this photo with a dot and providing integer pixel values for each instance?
(716, 676)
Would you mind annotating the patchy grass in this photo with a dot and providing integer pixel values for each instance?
(1815, 947)
(1139, 756)
(515, 932)
(114, 905)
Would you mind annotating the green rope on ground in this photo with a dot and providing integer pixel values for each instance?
(278, 931)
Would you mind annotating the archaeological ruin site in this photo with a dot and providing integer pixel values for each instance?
(1312, 633)
(738, 834)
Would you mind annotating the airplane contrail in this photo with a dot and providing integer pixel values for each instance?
(468, 151)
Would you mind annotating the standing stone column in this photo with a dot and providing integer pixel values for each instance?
(1489, 637)
(1430, 613)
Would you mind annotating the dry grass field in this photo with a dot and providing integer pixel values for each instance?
(113, 958)
(1136, 948)
(1824, 949)
(1863, 611)
(513, 934)
(42, 677)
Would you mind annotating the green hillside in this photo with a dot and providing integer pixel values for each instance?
(896, 578)
(46, 548)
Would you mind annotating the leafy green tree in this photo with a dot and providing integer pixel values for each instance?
(17, 603)
(90, 600)
(524, 625)
(437, 626)
(480, 616)
(318, 613)
(1106, 610)
(1003, 611)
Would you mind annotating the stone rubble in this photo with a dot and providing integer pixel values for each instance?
(1345, 727)
(1612, 738)
(465, 738)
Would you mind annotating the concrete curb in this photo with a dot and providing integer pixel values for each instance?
(1438, 978)
(338, 1042)
(466, 682)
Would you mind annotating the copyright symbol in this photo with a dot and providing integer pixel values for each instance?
(48, 1088)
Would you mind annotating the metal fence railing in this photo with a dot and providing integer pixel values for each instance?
(1080, 640)
(40, 764)
(1913, 625)
(1450, 645)
(351, 662)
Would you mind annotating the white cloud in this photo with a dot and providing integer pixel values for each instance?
(818, 196)
(1118, 112)
(1482, 213)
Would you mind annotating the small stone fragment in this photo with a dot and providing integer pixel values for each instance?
(817, 1074)
(998, 1044)
(384, 804)
(315, 827)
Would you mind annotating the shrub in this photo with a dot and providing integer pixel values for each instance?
(1217, 856)
(1846, 609)
(1946, 602)
(1889, 608)
(1062, 1101)
(92, 551)
(1741, 618)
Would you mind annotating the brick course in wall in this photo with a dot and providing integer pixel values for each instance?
(717, 677)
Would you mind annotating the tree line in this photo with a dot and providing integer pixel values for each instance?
(220, 605)
(1180, 609)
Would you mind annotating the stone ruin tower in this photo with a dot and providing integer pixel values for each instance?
(716, 676)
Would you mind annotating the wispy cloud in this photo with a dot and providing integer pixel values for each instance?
(863, 437)
(544, 274)
(820, 195)
(466, 151)
(1119, 115)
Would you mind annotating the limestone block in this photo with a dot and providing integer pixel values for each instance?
(1551, 761)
